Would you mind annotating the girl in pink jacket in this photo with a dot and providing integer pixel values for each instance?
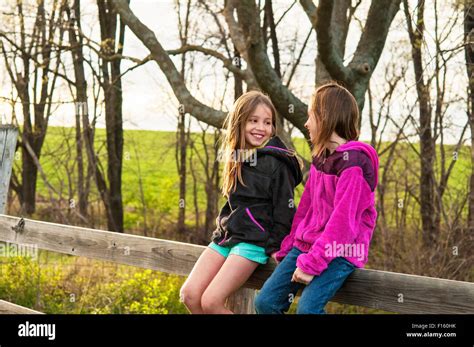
(333, 226)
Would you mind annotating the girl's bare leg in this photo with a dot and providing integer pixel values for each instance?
(232, 275)
(203, 272)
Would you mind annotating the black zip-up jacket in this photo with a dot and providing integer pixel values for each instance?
(261, 212)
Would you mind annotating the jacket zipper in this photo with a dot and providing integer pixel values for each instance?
(254, 220)
(224, 239)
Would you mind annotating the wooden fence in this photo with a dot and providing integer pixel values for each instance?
(389, 291)
(9, 308)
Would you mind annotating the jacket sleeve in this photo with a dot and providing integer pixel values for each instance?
(352, 191)
(305, 203)
(217, 234)
(283, 184)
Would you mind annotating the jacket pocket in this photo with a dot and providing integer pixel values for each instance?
(250, 223)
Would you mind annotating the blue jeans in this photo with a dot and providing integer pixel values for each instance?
(278, 292)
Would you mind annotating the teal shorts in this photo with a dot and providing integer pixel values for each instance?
(246, 250)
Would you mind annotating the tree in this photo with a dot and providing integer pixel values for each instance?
(112, 32)
(246, 35)
(84, 134)
(332, 25)
(182, 135)
(33, 70)
(431, 120)
(469, 54)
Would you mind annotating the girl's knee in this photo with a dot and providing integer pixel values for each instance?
(210, 303)
(189, 296)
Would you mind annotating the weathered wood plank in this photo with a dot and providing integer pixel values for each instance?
(149, 253)
(9, 308)
(242, 301)
(8, 137)
(369, 288)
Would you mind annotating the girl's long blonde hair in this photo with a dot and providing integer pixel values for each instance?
(334, 109)
(233, 142)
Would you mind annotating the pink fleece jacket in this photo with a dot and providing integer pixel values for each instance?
(336, 215)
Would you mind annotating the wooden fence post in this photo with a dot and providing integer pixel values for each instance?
(242, 301)
(8, 137)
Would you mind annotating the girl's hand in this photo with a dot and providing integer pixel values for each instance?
(301, 277)
(275, 258)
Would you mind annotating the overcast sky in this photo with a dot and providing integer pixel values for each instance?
(150, 104)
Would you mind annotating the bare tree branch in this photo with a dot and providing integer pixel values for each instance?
(357, 73)
(202, 112)
(287, 104)
(228, 63)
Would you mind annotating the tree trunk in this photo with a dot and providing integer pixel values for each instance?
(330, 33)
(238, 83)
(181, 148)
(183, 138)
(469, 50)
(81, 102)
(112, 86)
(428, 207)
(270, 20)
(29, 176)
(340, 25)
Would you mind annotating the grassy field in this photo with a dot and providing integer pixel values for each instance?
(149, 166)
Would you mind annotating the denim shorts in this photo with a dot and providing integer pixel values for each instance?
(246, 250)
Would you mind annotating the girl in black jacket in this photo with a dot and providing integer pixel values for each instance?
(259, 178)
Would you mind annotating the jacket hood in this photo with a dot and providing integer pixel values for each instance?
(367, 149)
(276, 148)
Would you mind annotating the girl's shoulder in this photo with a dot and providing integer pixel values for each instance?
(275, 156)
(341, 160)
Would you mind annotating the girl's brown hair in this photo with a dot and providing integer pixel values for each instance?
(334, 109)
(234, 139)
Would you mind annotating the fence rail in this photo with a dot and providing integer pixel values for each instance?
(369, 288)
(9, 308)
